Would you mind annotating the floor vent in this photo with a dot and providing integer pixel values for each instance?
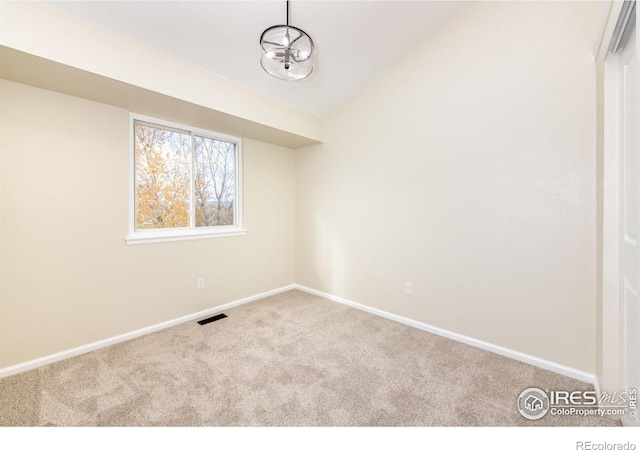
(212, 319)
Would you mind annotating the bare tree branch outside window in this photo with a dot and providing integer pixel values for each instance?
(214, 182)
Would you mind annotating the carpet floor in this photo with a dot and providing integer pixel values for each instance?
(292, 359)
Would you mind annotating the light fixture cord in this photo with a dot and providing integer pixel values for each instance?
(287, 50)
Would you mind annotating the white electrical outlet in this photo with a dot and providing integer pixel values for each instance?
(200, 283)
(408, 289)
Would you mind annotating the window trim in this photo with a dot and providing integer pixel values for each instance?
(182, 234)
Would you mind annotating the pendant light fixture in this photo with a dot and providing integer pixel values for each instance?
(286, 52)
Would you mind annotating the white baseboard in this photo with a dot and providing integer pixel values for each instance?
(522, 357)
(513, 354)
(39, 362)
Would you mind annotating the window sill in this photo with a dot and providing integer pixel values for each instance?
(154, 237)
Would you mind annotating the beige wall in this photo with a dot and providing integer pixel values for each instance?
(468, 169)
(67, 276)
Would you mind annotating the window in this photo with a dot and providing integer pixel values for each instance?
(185, 183)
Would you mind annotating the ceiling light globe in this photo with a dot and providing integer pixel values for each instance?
(286, 53)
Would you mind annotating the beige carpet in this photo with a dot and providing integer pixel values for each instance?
(288, 360)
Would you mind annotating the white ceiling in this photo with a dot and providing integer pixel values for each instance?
(355, 40)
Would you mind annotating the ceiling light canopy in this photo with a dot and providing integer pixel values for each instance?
(287, 52)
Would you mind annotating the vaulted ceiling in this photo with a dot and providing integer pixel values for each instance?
(355, 40)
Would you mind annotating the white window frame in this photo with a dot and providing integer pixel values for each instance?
(182, 234)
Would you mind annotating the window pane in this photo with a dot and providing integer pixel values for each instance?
(215, 183)
(162, 177)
